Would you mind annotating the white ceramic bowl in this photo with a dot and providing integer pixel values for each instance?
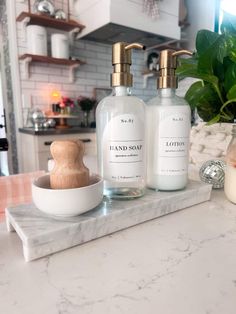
(66, 202)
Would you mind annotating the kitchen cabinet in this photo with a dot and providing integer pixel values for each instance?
(35, 149)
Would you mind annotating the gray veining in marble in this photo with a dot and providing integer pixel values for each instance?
(42, 235)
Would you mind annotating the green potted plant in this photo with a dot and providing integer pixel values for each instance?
(214, 63)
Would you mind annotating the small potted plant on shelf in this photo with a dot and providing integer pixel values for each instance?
(86, 104)
(214, 63)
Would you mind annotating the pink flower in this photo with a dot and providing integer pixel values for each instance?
(67, 102)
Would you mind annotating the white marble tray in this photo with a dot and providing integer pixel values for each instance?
(42, 235)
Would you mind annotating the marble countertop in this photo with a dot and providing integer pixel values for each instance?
(182, 263)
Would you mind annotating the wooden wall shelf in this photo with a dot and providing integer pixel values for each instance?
(44, 20)
(46, 59)
(28, 58)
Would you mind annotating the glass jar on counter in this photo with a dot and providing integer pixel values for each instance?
(230, 173)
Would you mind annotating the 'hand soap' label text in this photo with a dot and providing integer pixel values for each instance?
(123, 149)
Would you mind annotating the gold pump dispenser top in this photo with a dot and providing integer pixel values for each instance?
(121, 61)
(167, 66)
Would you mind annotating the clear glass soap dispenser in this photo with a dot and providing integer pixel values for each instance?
(120, 123)
(168, 129)
(230, 172)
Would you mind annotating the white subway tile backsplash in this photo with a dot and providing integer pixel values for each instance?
(138, 86)
(94, 75)
(98, 62)
(27, 84)
(89, 89)
(103, 69)
(138, 62)
(87, 54)
(21, 50)
(97, 48)
(103, 83)
(104, 56)
(20, 33)
(57, 78)
(147, 92)
(36, 69)
(20, 7)
(69, 88)
(39, 77)
(79, 89)
(42, 87)
(86, 82)
(79, 74)
(89, 68)
(79, 44)
(65, 72)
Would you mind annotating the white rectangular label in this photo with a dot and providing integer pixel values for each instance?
(173, 141)
(123, 149)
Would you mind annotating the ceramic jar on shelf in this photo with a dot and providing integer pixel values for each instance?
(60, 46)
(36, 40)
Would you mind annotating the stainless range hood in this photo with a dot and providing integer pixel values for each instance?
(110, 21)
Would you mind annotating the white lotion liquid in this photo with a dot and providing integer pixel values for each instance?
(168, 128)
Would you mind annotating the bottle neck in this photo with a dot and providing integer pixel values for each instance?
(166, 92)
(121, 91)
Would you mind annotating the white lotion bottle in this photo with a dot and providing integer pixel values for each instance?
(168, 129)
(120, 127)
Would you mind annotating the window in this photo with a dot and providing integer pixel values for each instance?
(222, 6)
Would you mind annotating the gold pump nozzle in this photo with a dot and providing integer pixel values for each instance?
(121, 61)
(167, 66)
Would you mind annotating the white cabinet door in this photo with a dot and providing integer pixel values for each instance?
(36, 148)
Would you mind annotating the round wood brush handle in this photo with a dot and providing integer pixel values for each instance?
(69, 170)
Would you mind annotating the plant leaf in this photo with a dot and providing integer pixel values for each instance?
(212, 56)
(230, 76)
(205, 99)
(192, 95)
(215, 64)
(190, 70)
(232, 92)
(204, 40)
(214, 120)
(186, 70)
